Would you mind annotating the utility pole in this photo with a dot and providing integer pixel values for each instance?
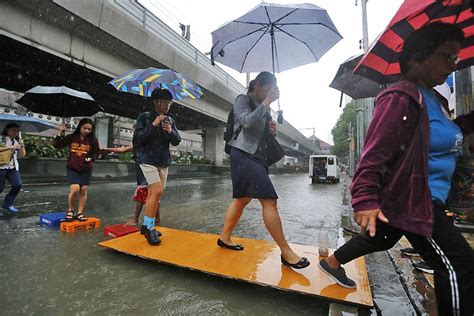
(365, 31)
(351, 150)
(361, 117)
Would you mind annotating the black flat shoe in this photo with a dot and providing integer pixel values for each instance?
(222, 244)
(303, 263)
(142, 231)
(151, 235)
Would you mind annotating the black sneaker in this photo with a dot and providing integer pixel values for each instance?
(411, 252)
(423, 266)
(151, 235)
(338, 275)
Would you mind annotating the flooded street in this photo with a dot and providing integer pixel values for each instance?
(44, 271)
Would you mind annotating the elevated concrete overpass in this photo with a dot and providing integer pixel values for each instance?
(84, 43)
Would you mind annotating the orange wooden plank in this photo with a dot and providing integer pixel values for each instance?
(258, 263)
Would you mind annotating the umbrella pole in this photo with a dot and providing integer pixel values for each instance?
(272, 36)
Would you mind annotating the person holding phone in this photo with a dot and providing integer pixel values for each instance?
(12, 149)
(83, 150)
(155, 131)
(249, 162)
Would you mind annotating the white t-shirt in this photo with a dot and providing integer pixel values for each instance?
(14, 161)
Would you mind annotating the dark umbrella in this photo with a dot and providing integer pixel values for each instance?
(380, 63)
(355, 86)
(26, 123)
(59, 101)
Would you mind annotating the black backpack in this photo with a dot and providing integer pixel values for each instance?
(229, 129)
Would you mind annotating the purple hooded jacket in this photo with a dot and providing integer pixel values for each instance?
(393, 170)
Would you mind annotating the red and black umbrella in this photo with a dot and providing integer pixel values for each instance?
(380, 63)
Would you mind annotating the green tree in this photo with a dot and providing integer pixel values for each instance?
(340, 133)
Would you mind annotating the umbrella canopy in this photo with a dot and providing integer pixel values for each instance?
(380, 63)
(59, 101)
(274, 37)
(355, 86)
(144, 81)
(27, 123)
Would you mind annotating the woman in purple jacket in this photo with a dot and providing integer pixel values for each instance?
(404, 175)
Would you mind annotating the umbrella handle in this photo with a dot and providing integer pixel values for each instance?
(280, 113)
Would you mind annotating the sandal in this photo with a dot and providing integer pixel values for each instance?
(81, 218)
(303, 263)
(69, 216)
(222, 244)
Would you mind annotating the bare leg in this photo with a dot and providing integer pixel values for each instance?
(154, 194)
(72, 196)
(82, 199)
(274, 227)
(333, 262)
(136, 217)
(232, 215)
(157, 216)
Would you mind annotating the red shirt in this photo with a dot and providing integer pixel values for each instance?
(79, 150)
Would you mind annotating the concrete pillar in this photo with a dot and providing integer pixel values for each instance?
(213, 145)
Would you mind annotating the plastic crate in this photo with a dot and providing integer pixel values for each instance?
(119, 230)
(92, 223)
(52, 219)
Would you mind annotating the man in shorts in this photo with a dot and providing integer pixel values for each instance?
(154, 133)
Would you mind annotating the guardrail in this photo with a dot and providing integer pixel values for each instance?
(153, 24)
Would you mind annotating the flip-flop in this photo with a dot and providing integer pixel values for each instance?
(222, 244)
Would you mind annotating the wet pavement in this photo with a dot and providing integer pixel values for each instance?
(44, 271)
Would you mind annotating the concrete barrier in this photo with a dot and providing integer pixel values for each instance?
(47, 170)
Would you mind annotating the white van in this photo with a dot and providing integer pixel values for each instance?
(324, 168)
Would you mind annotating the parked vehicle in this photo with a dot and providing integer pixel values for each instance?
(324, 168)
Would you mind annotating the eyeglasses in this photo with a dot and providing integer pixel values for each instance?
(450, 58)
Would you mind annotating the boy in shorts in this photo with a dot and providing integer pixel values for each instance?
(154, 133)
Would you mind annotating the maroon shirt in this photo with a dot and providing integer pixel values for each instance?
(393, 170)
(79, 150)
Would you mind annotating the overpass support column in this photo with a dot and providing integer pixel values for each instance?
(213, 145)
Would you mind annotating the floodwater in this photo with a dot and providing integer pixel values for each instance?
(46, 272)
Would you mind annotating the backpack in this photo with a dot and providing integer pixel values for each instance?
(5, 156)
(229, 129)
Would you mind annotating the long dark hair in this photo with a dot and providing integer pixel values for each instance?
(82, 122)
(263, 79)
(7, 127)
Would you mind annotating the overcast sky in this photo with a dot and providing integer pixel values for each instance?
(306, 99)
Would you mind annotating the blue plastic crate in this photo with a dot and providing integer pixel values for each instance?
(52, 219)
